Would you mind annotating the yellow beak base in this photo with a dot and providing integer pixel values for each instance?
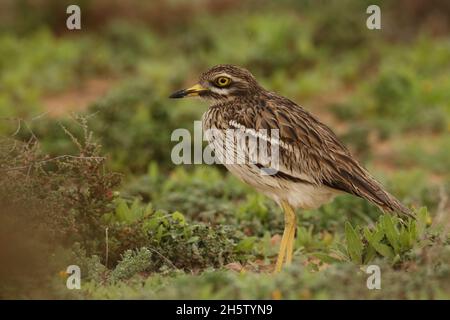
(193, 91)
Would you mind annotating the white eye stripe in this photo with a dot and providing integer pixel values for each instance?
(226, 75)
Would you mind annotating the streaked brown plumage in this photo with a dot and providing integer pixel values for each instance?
(314, 164)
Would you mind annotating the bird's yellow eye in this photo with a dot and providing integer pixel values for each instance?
(222, 81)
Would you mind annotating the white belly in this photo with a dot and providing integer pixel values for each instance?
(297, 194)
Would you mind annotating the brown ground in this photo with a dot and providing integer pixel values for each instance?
(77, 99)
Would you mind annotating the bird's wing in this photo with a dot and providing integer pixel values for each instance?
(310, 151)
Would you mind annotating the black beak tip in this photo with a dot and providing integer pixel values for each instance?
(178, 94)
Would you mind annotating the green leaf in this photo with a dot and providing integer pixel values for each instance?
(245, 245)
(370, 254)
(153, 171)
(384, 250)
(135, 212)
(391, 232)
(160, 232)
(326, 258)
(367, 233)
(304, 237)
(193, 239)
(405, 239)
(374, 238)
(179, 217)
(412, 229)
(148, 209)
(423, 219)
(354, 243)
(122, 211)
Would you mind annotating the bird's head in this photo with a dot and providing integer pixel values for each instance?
(221, 83)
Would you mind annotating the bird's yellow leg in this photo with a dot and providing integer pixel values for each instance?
(281, 252)
(291, 238)
(287, 240)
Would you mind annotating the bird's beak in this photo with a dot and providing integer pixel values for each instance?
(193, 91)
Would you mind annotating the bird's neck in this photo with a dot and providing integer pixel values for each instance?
(239, 99)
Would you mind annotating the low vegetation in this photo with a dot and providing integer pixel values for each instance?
(97, 188)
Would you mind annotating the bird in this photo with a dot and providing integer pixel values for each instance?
(313, 166)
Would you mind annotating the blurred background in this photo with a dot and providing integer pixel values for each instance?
(70, 96)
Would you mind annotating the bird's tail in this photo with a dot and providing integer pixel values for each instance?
(392, 204)
(362, 184)
(375, 193)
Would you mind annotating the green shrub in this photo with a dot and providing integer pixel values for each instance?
(206, 194)
(390, 238)
(132, 262)
(40, 64)
(174, 242)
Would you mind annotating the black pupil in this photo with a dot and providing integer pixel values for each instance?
(222, 81)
